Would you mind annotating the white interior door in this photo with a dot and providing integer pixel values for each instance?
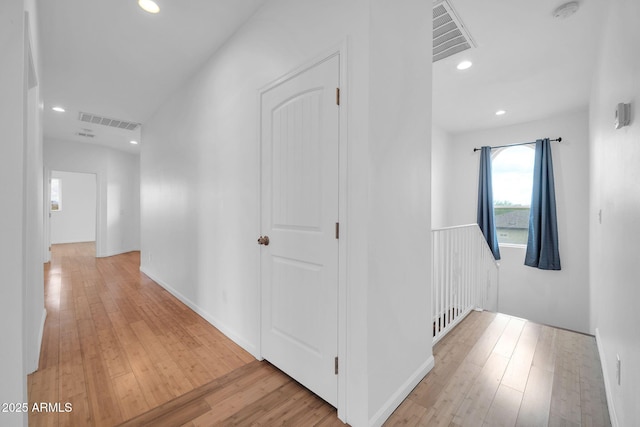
(299, 266)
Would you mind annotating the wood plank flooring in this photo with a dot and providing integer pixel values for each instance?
(125, 352)
(498, 370)
(116, 344)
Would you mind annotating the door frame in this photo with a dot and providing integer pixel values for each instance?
(47, 214)
(99, 252)
(340, 51)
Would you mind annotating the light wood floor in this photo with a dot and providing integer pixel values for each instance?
(123, 350)
(498, 370)
(116, 344)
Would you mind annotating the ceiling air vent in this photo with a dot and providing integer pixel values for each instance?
(449, 33)
(105, 121)
(85, 134)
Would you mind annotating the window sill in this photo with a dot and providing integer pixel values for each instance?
(512, 245)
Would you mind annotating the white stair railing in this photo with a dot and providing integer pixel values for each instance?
(465, 276)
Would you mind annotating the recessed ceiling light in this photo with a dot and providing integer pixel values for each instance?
(500, 113)
(149, 6)
(133, 142)
(464, 65)
(58, 109)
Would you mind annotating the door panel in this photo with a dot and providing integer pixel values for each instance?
(296, 169)
(295, 288)
(299, 267)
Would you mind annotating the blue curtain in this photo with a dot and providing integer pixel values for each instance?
(486, 218)
(542, 244)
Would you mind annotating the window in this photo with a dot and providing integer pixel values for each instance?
(56, 193)
(512, 169)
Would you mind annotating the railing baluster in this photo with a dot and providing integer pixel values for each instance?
(463, 271)
(438, 286)
(450, 279)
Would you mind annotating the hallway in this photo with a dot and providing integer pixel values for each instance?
(116, 344)
(121, 349)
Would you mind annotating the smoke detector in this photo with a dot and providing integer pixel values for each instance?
(566, 10)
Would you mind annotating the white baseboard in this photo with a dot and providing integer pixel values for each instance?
(41, 332)
(35, 357)
(398, 397)
(607, 382)
(249, 347)
(117, 252)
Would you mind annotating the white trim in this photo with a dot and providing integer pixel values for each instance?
(454, 227)
(316, 60)
(34, 365)
(343, 162)
(607, 383)
(46, 223)
(233, 336)
(258, 249)
(513, 245)
(401, 394)
(117, 252)
(41, 332)
(101, 226)
(101, 217)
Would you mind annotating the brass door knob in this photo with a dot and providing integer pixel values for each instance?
(264, 240)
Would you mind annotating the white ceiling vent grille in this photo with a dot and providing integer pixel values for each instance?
(114, 123)
(449, 33)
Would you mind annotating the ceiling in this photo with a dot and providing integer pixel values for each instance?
(111, 59)
(526, 62)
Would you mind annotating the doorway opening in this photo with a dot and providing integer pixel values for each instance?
(72, 207)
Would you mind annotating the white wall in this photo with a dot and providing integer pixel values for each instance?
(118, 190)
(11, 228)
(440, 165)
(399, 291)
(559, 298)
(615, 190)
(200, 181)
(200, 170)
(21, 294)
(34, 311)
(123, 202)
(76, 221)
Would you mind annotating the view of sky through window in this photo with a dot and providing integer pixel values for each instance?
(513, 176)
(512, 170)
